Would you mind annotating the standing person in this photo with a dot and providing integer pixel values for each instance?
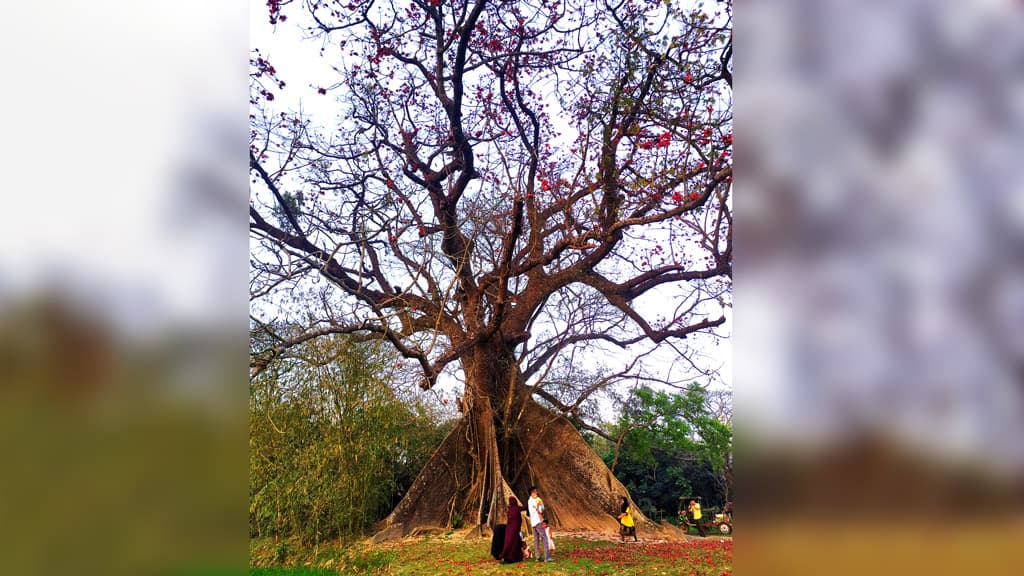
(626, 524)
(513, 549)
(540, 538)
(695, 511)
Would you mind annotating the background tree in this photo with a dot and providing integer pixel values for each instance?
(332, 447)
(668, 445)
(505, 183)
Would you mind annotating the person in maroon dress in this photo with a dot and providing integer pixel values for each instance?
(513, 550)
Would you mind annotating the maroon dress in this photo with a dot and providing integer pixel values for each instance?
(513, 550)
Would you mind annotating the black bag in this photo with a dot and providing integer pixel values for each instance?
(498, 541)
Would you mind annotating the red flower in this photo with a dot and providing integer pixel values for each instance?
(689, 77)
(694, 196)
(544, 186)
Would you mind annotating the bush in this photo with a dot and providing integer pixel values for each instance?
(332, 447)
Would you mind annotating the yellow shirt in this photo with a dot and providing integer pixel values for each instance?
(696, 511)
(626, 518)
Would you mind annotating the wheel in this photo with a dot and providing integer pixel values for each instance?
(724, 528)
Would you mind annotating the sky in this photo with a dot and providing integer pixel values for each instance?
(86, 212)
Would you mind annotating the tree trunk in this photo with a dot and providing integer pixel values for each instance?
(505, 443)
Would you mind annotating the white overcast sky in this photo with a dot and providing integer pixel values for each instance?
(107, 120)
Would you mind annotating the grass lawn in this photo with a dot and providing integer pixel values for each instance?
(284, 571)
(454, 556)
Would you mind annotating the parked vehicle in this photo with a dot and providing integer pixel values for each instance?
(711, 519)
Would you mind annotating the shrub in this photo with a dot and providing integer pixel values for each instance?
(332, 446)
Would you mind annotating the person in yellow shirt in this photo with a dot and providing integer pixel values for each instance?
(695, 512)
(626, 524)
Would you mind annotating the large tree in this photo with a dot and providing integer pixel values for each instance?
(506, 183)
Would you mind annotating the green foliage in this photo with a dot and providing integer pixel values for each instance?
(293, 203)
(281, 552)
(371, 561)
(672, 446)
(332, 447)
(656, 488)
(656, 420)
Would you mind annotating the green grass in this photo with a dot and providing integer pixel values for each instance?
(452, 556)
(284, 571)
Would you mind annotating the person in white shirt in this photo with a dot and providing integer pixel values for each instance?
(535, 507)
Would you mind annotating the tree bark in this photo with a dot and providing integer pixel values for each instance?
(503, 444)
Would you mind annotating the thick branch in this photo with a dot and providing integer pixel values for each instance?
(255, 165)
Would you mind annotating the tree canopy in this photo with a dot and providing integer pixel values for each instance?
(494, 164)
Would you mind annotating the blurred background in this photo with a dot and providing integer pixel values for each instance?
(879, 336)
(123, 288)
